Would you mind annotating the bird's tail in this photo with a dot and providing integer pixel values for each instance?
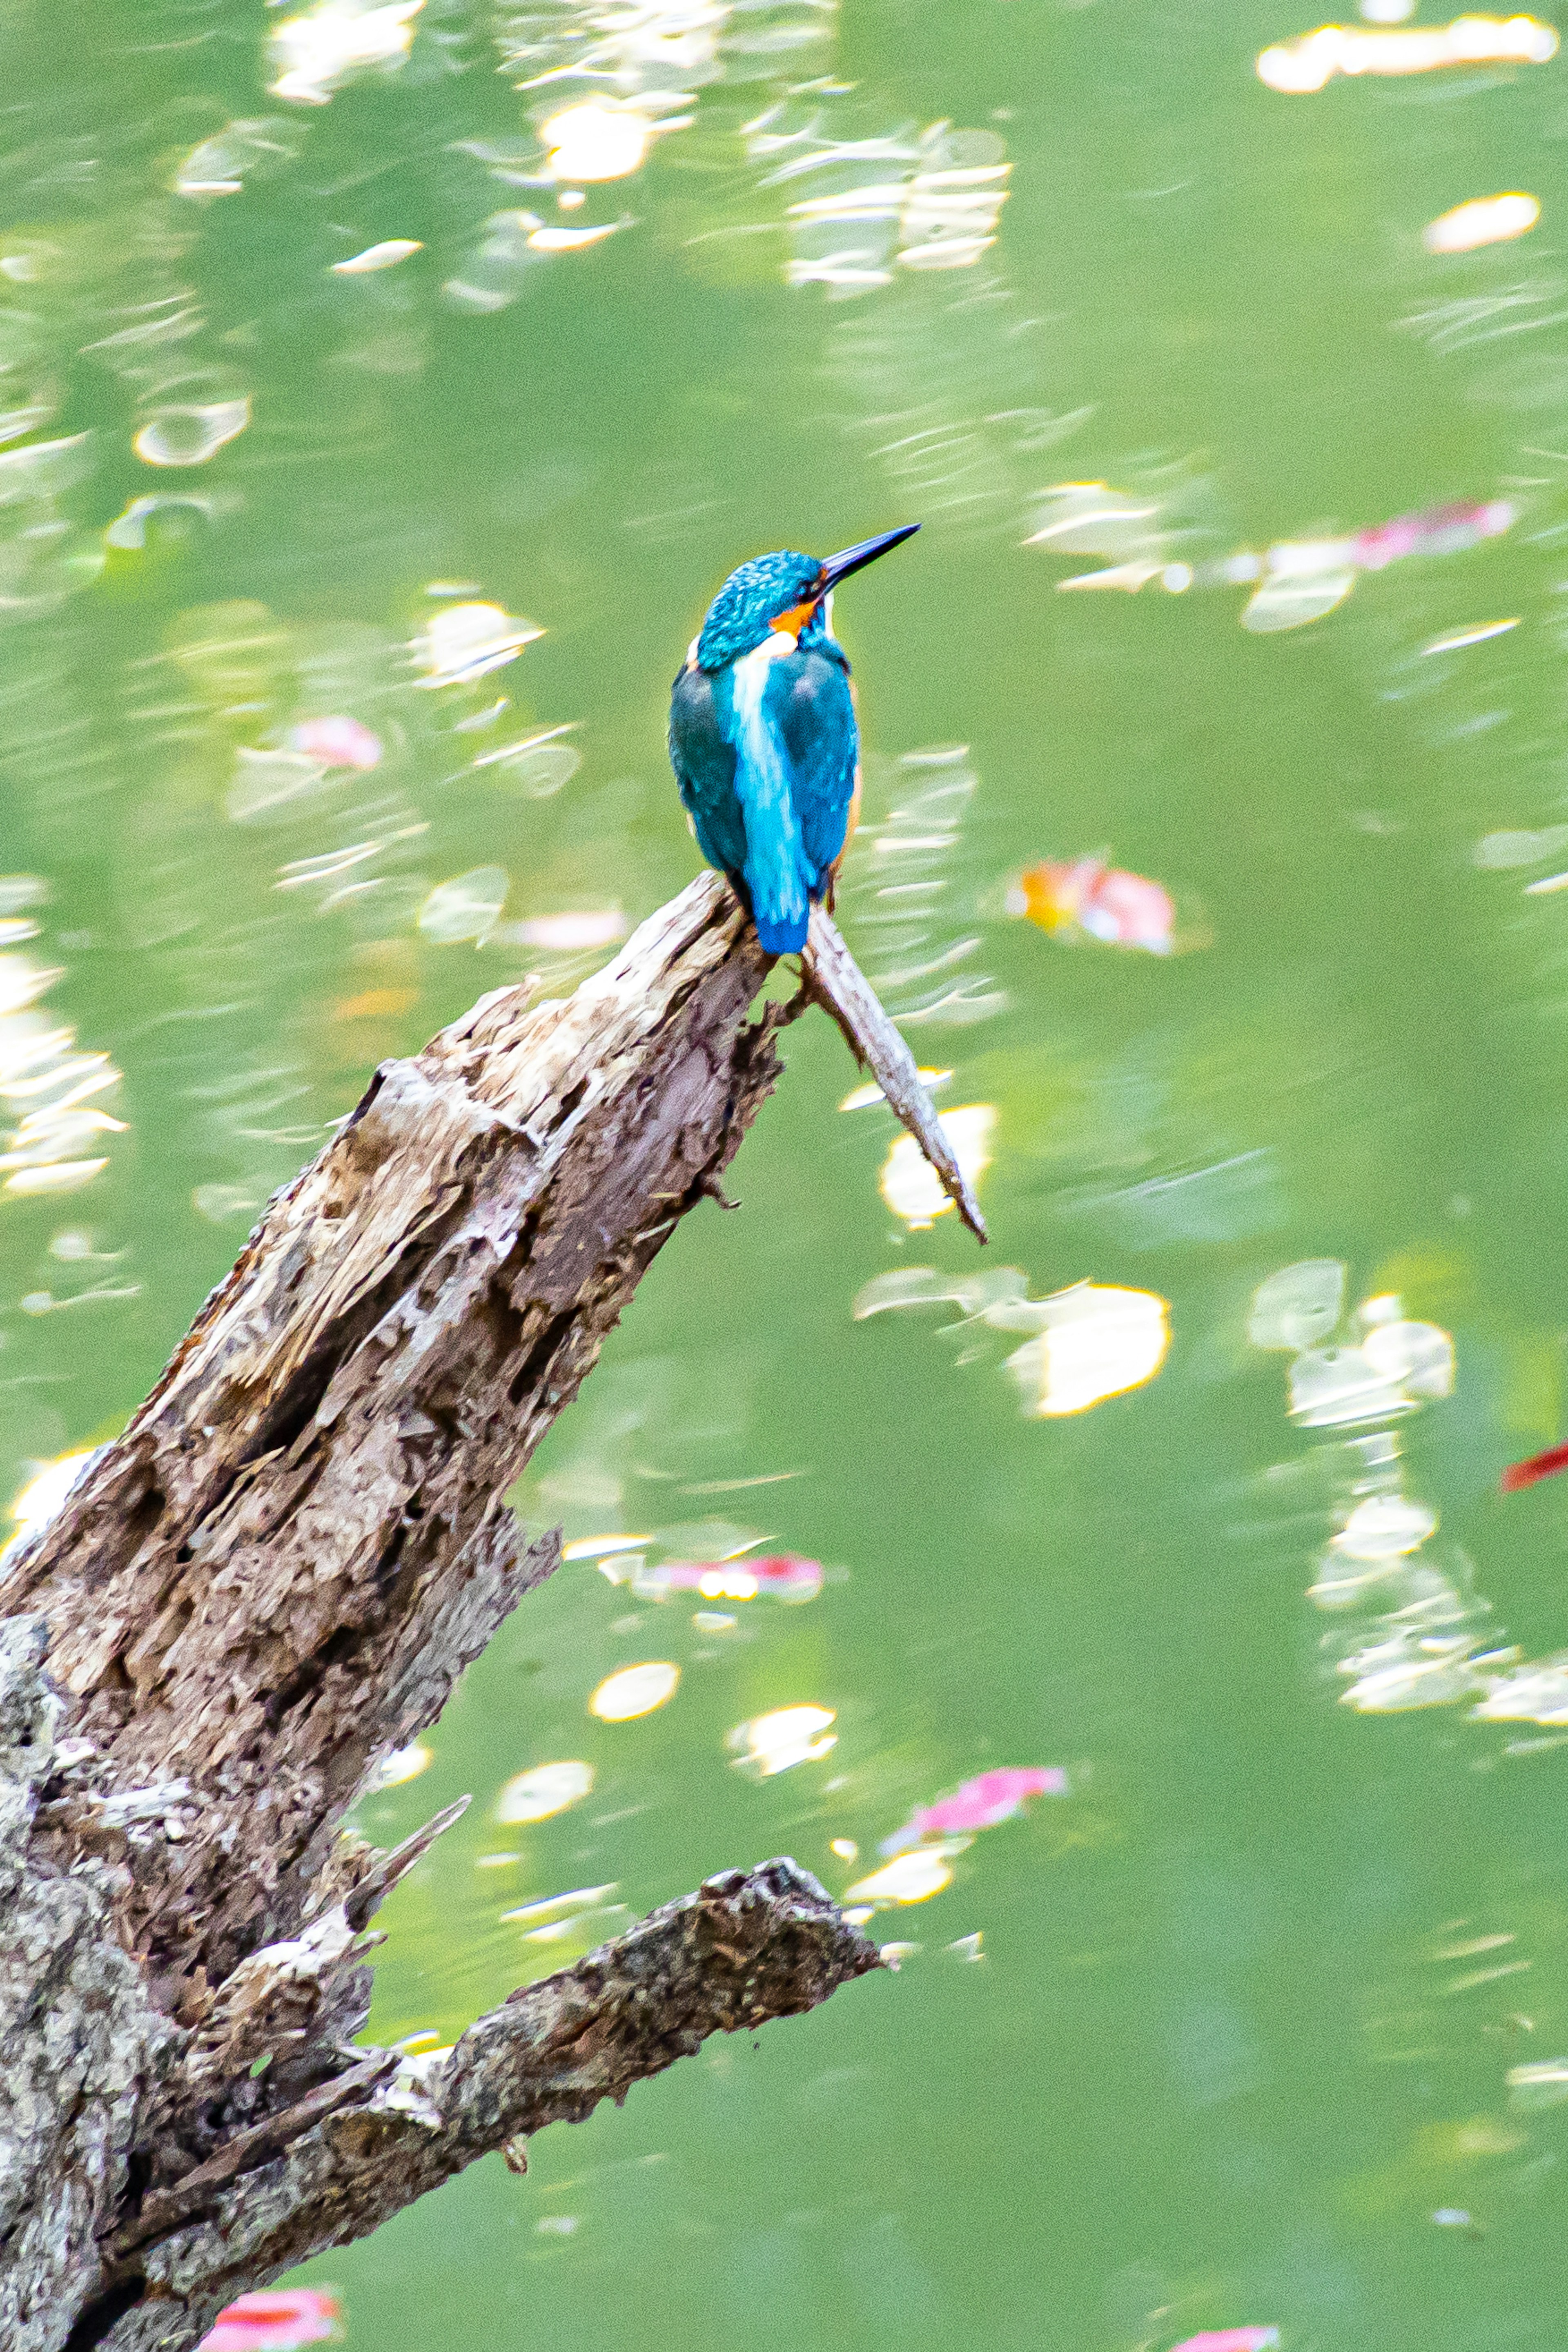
(783, 935)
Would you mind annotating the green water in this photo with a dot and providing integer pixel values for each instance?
(1250, 1996)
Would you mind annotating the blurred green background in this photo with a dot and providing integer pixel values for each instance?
(1250, 1998)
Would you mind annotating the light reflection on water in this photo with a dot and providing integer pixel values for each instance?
(383, 400)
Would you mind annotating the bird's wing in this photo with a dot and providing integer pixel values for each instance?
(817, 720)
(705, 770)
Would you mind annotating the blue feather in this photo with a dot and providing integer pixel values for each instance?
(764, 757)
(765, 745)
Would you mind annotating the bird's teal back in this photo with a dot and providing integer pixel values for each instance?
(765, 750)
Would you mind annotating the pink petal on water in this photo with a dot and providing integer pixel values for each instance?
(990, 1798)
(1130, 910)
(787, 1573)
(336, 742)
(279, 2319)
(1230, 2339)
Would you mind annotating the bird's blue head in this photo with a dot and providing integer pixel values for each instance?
(786, 591)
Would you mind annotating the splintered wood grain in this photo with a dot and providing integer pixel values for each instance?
(278, 1571)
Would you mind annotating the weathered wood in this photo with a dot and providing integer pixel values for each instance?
(307, 1511)
(275, 1576)
(837, 981)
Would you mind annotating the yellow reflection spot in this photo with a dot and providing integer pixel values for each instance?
(790, 1735)
(44, 1493)
(1299, 68)
(1485, 220)
(543, 1791)
(1097, 1342)
(600, 1547)
(375, 1004)
(634, 1690)
(912, 1877)
(846, 1849)
(402, 1764)
(909, 1184)
(385, 256)
(595, 141)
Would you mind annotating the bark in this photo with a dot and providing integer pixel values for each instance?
(276, 1575)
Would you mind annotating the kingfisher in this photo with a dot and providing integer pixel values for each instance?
(763, 738)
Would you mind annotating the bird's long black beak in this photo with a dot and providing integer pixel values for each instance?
(865, 552)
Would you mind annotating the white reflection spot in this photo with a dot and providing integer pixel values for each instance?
(595, 141)
(465, 908)
(544, 1791)
(910, 1185)
(634, 1690)
(912, 1877)
(190, 435)
(788, 1736)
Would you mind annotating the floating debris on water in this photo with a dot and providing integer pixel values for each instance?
(279, 2319)
(1088, 1343)
(998, 1795)
(786, 1737)
(1294, 582)
(1097, 1341)
(1302, 66)
(912, 1877)
(542, 1792)
(336, 742)
(782, 1575)
(1539, 1466)
(1230, 2339)
(1485, 220)
(635, 1690)
(1086, 894)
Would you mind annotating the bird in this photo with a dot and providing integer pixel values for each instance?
(763, 736)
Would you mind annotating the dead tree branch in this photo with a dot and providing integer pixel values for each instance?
(276, 1575)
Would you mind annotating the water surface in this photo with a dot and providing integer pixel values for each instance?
(1208, 2041)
